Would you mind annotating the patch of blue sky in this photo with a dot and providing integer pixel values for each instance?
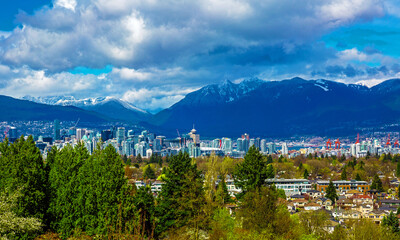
(380, 35)
(10, 8)
(94, 71)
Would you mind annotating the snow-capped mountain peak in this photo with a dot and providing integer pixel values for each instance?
(85, 102)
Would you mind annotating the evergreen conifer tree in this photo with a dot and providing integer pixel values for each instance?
(143, 202)
(181, 199)
(22, 169)
(331, 192)
(343, 176)
(306, 174)
(358, 177)
(149, 173)
(377, 183)
(252, 172)
(398, 169)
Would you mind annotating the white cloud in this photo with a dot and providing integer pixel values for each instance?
(156, 98)
(352, 54)
(162, 49)
(340, 12)
(68, 4)
(155, 33)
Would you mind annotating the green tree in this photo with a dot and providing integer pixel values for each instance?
(252, 172)
(64, 186)
(270, 172)
(314, 222)
(331, 192)
(377, 183)
(258, 209)
(222, 196)
(398, 169)
(102, 186)
(343, 176)
(149, 173)
(139, 158)
(143, 201)
(305, 174)
(269, 159)
(11, 225)
(392, 222)
(181, 200)
(358, 177)
(22, 168)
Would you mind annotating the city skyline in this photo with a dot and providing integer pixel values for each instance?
(153, 53)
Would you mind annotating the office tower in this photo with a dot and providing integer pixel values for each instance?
(252, 142)
(257, 143)
(239, 142)
(56, 130)
(226, 145)
(158, 143)
(114, 132)
(12, 133)
(106, 135)
(216, 143)
(80, 133)
(263, 146)
(120, 135)
(271, 148)
(245, 144)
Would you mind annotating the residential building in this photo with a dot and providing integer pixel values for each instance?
(344, 186)
(291, 186)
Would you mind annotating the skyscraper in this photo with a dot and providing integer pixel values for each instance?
(271, 148)
(80, 133)
(120, 134)
(285, 150)
(226, 145)
(13, 134)
(56, 130)
(263, 146)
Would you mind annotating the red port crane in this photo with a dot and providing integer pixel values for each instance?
(388, 141)
(396, 143)
(329, 142)
(358, 138)
(337, 144)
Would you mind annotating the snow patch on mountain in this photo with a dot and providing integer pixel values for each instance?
(86, 102)
(369, 83)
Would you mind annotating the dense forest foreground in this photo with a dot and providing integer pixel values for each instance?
(73, 195)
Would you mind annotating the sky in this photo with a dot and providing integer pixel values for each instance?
(151, 53)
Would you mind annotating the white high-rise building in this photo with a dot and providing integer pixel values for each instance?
(263, 146)
(285, 150)
(353, 151)
(226, 145)
(80, 133)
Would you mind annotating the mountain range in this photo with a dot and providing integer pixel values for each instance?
(261, 108)
(284, 108)
(24, 110)
(110, 107)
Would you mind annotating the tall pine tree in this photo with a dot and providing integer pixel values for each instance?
(252, 172)
(331, 192)
(23, 170)
(182, 196)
